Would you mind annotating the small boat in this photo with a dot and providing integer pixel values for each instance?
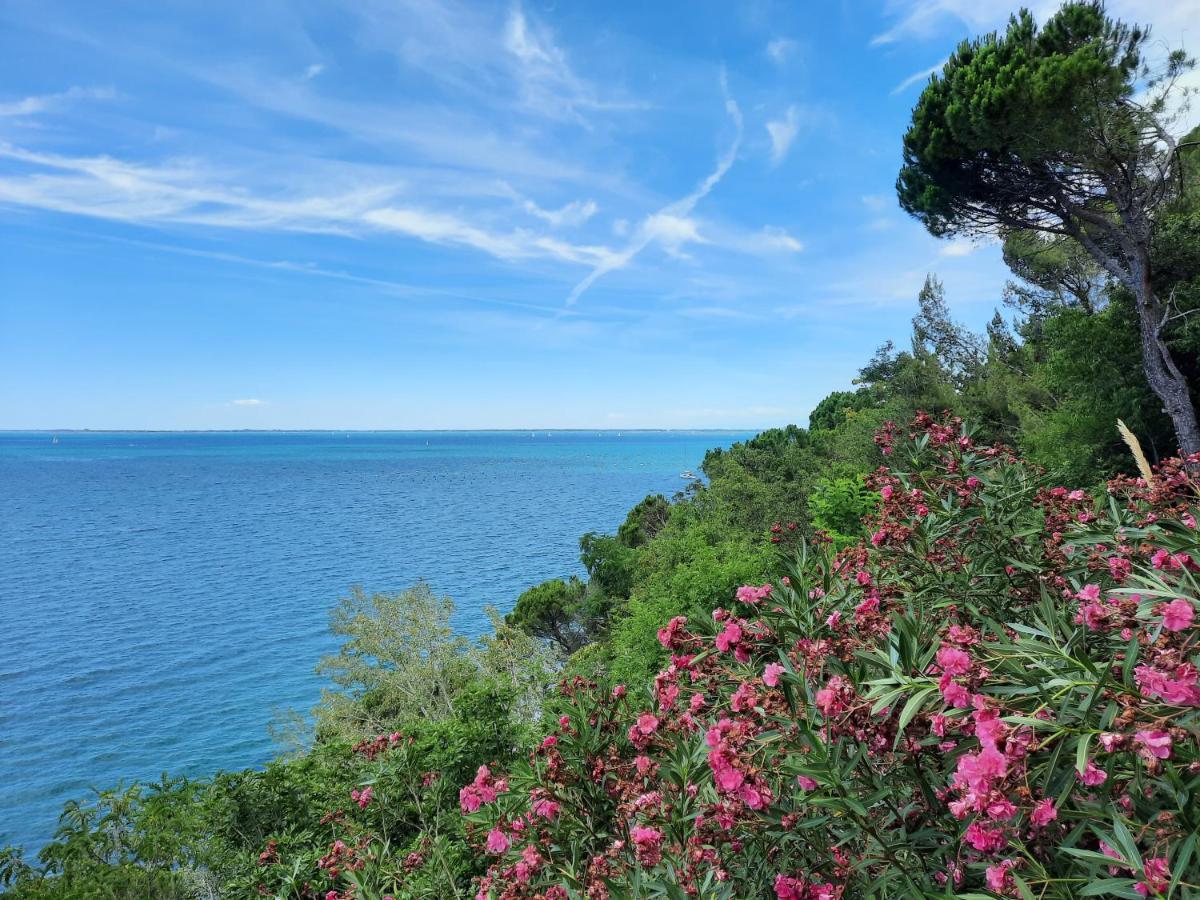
(688, 474)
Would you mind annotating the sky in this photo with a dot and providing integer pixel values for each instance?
(409, 214)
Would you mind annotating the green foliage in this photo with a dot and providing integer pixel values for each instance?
(1091, 376)
(839, 506)
(565, 612)
(1015, 116)
(994, 697)
(402, 661)
(645, 521)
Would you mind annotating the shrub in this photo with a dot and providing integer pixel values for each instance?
(996, 695)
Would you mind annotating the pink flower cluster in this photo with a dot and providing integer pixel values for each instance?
(483, 789)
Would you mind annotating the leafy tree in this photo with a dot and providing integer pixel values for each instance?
(564, 612)
(836, 407)
(959, 351)
(609, 563)
(1057, 272)
(1041, 130)
(403, 661)
(645, 521)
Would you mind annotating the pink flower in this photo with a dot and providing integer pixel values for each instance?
(998, 878)
(1178, 689)
(1091, 775)
(1157, 877)
(886, 492)
(643, 765)
(953, 661)
(985, 838)
(497, 841)
(670, 635)
(1177, 615)
(771, 674)
(1090, 593)
(647, 723)
(648, 844)
(1119, 567)
(752, 595)
(362, 798)
(805, 782)
(1155, 744)
(954, 693)
(545, 809)
(878, 538)
(1044, 813)
(729, 638)
(834, 618)
(549, 741)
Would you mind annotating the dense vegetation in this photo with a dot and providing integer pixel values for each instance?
(854, 660)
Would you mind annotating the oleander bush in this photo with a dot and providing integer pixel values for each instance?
(996, 694)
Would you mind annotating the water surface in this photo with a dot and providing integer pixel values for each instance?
(162, 593)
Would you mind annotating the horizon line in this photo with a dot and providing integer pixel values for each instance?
(712, 429)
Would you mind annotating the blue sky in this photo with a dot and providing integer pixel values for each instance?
(407, 214)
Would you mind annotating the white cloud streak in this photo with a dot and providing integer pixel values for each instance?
(41, 103)
(680, 209)
(916, 78)
(183, 192)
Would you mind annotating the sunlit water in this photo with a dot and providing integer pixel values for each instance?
(162, 594)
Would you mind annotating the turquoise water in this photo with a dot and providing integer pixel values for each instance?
(162, 593)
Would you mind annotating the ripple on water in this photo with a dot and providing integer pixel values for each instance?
(162, 594)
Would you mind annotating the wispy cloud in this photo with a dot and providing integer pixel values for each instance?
(782, 133)
(28, 106)
(780, 49)
(680, 209)
(917, 78)
(248, 402)
(548, 82)
(313, 71)
(570, 214)
(184, 192)
(772, 238)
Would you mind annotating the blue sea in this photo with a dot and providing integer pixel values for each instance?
(163, 594)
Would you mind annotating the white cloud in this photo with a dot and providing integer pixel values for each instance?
(921, 19)
(313, 71)
(679, 209)
(672, 231)
(917, 77)
(571, 214)
(780, 49)
(958, 248)
(29, 106)
(783, 133)
(548, 83)
(184, 192)
(248, 402)
(772, 238)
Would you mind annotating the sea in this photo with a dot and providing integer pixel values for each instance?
(164, 596)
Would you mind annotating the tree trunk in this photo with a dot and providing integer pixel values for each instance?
(1162, 373)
